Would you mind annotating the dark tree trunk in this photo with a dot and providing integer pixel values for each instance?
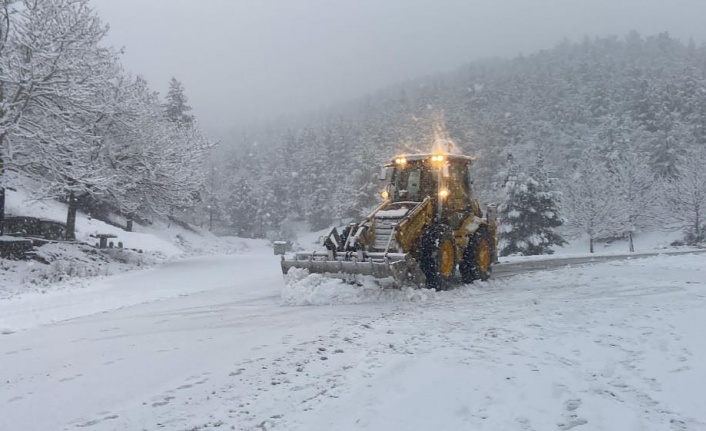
(2, 206)
(2, 163)
(129, 223)
(71, 217)
(2, 191)
(632, 246)
(591, 244)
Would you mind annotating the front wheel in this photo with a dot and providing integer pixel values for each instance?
(477, 257)
(437, 257)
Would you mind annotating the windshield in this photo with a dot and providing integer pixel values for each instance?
(413, 183)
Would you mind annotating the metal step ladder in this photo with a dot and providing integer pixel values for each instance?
(385, 229)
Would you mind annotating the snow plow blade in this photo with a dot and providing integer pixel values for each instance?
(400, 267)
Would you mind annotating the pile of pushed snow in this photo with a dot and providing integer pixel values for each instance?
(302, 288)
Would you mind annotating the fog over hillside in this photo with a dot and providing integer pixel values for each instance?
(598, 100)
(244, 61)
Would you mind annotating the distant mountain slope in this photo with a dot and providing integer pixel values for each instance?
(618, 94)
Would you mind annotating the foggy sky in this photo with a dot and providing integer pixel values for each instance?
(247, 60)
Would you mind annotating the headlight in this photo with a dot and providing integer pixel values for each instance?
(444, 193)
(385, 194)
(401, 161)
(437, 158)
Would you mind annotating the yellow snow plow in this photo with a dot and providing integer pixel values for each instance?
(429, 226)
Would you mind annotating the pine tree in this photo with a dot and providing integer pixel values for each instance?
(531, 213)
(177, 106)
(320, 213)
(668, 147)
(242, 210)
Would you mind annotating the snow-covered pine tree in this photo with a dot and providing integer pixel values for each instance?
(177, 105)
(321, 212)
(530, 215)
(270, 211)
(668, 146)
(241, 208)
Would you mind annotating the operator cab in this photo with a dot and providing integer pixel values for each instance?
(413, 182)
(412, 178)
(444, 178)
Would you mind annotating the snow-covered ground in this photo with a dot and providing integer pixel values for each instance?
(72, 266)
(19, 202)
(220, 343)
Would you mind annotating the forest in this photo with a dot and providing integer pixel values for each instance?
(610, 132)
(605, 137)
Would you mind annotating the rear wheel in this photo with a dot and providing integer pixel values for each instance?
(477, 257)
(437, 257)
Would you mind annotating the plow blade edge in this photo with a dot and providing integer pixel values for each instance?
(400, 267)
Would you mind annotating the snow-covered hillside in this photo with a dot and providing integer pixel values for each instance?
(20, 203)
(211, 343)
(71, 264)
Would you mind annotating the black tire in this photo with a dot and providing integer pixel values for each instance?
(476, 262)
(437, 257)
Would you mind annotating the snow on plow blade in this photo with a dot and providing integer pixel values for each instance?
(400, 267)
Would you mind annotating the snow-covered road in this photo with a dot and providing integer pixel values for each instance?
(207, 344)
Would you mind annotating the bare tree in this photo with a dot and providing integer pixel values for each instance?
(590, 200)
(159, 162)
(633, 184)
(71, 120)
(51, 67)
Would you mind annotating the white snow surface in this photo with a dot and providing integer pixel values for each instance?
(222, 342)
(20, 203)
(71, 264)
(394, 213)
